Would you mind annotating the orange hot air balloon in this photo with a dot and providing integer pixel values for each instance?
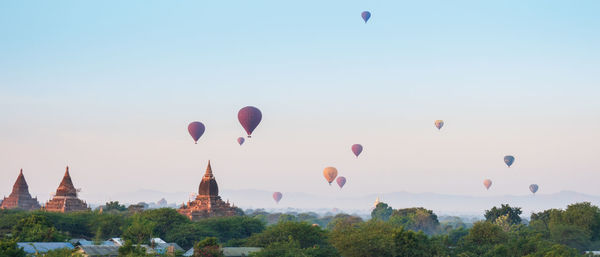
(487, 183)
(330, 173)
(439, 124)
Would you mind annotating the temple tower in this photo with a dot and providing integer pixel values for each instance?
(207, 203)
(65, 199)
(20, 198)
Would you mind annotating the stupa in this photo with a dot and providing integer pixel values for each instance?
(207, 203)
(65, 199)
(20, 198)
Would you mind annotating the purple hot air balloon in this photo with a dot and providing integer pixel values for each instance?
(341, 181)
(241, 140)
(249, 117)
(366, 15)
(196, 130)
(277, 196)
(357, 149)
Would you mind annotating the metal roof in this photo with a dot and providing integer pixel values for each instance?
(42, 247)
(100, 250)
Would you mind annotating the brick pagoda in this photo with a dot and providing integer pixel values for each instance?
(65, 199)
(20, 197)
(208, 203)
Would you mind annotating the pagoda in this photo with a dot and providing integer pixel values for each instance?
(20, 197)
(207, 203)
(65, 199)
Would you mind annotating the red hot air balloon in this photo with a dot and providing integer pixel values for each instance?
(487, 183)
(249, 117)
(241, 140)
(357, 149)
(341, 181)
(277, 196)
(196, 130)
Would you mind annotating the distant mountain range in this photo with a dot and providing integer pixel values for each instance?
(441, 204)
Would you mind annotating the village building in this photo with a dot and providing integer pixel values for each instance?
(65, 199)
(20, 198)
(207, 203)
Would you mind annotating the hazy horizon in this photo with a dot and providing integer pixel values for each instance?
(109, 88)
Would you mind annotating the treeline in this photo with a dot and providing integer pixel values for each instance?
(390, 232)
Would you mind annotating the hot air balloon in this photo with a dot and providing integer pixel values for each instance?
(249, 117)
(509, 159)
(277, 196)
(196, 130)
(330, 173)
(487, 183)
(241, 140)
(366, 15)
(533, 188)
(341, 181)
(439, 124)
(357, 149)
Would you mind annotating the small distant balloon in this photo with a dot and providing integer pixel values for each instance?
(533, 188)
(277, 196)
(196, 130)
(366, 15)
(357, 149)
(249, 117)
(439, 124)
(330, 173)
(509, 159)
(241, 140)
(487, 183)
(341, 181)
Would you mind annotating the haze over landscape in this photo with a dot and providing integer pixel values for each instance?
(110, 89)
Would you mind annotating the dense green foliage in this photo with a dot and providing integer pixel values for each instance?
(382, 212)
(392, 232)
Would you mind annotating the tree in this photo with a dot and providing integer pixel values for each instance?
(36, 228)
(62, 252)
(10, 248)
(412, 244)
(113, 206)
(373, 238)
(130, 250)
(164, 220)
(140, 230)
(306, 234)
(505, 209)
(343, 220)
(417, 219)
(382, 212)
(209, 247)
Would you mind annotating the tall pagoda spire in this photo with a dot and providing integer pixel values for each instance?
(20, 198)
(208, 185)
(65, 199)
(66, 187)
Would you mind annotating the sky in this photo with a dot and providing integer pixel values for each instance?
(108, 88)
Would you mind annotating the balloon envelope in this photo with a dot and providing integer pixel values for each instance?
(357, 149)
(196, 130)
(249, 117)
(509, 159)
(241, 140)
(487, 183)
(533, 188)
(341, 181)
(330, 173)
(439, 124)
(277, 196)
(366, 15)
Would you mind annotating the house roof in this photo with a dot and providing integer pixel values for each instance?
(100, 249)
(33, 247)
(231, 251)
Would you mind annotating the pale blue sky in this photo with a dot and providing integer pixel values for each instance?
(108, 87)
